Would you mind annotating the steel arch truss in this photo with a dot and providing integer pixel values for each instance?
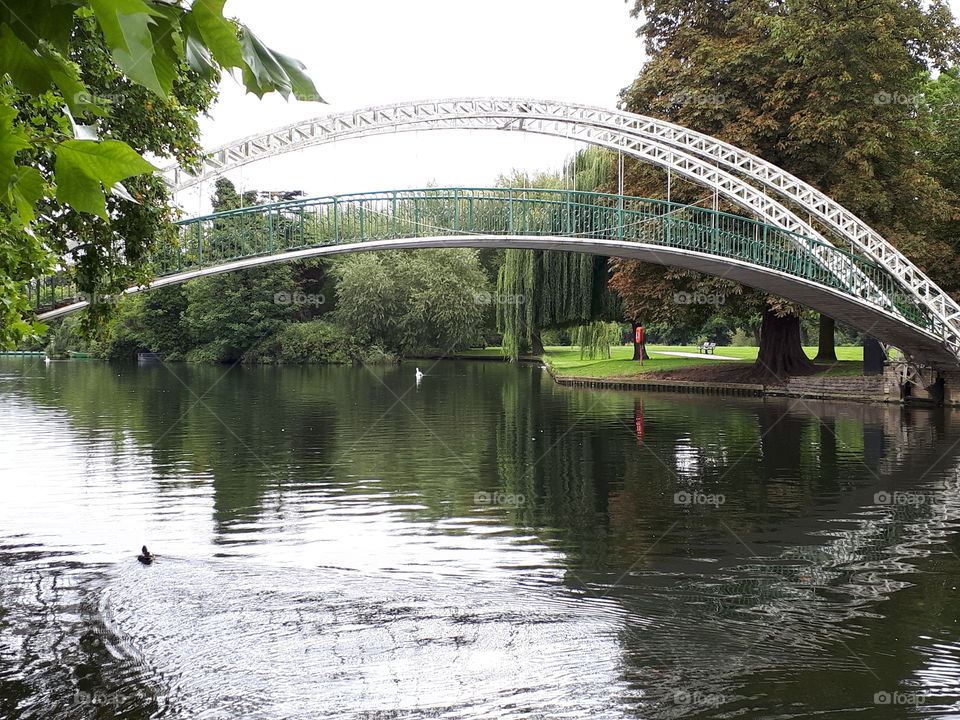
(699, 158)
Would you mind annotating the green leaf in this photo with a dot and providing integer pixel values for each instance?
(66, 77)
(218, 33)
(22, 186)
(300, 83)
(85, 167)
(26, 188)
(126, 29)
(267, 71)
(26, 68)
(32, 21)
(12, 141)
(197, 54)
(168, 49)
(37, 71)
(122, 20)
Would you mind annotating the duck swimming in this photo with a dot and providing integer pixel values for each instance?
(145, 556)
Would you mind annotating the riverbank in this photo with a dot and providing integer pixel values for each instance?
(730, 371)
(685, 359)
(674, 369)
(871, 389)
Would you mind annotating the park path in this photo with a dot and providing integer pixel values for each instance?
(706, 356)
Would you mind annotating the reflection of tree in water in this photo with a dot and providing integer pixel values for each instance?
(800, 554)
(724, 635)
(232, 428)
(263, 437)
(788, 570)
(550, 451)
(60, 658)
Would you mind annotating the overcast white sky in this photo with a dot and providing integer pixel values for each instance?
(371, 52)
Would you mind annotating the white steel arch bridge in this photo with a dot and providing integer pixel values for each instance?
(862, 280)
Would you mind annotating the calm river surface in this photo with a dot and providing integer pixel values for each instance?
(341, 543)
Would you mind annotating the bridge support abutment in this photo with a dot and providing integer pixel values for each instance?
(892, 386)
(926, 384)
(949, 387)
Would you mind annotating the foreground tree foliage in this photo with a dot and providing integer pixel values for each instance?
(90, 87)
(830, 90)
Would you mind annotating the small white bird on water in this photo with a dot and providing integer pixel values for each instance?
(419, 375)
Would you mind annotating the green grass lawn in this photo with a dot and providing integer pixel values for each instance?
(566, 360)
(845, 368)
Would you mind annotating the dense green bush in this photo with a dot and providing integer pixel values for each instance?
(227, 314)
(411, 300)
(741, 338)
(314, 342)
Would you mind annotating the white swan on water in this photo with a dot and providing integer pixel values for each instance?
(419, 375)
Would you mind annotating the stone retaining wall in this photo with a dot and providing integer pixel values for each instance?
(873, 388)
(666, 385)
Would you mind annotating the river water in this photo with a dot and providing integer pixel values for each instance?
(345, 543)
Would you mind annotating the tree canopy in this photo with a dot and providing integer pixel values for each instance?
(411, 300)
(92, 89)
(833, 91)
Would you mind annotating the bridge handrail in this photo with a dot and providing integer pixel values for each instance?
(387, 194)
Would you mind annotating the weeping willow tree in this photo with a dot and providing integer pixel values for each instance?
(516, 320)
(595, 339)
(553, 289)
(591, 170)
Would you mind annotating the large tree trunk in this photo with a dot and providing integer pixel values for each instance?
(827, 350)
(536, 344)
(781, 353)
(639, 350)
(873, 356)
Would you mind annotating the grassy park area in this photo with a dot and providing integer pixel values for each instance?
(566, 360)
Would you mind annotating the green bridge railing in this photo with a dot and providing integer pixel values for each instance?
(265, 230)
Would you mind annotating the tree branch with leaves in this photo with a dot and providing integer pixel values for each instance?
(90, 90)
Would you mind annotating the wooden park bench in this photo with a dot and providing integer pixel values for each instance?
(707, 347)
